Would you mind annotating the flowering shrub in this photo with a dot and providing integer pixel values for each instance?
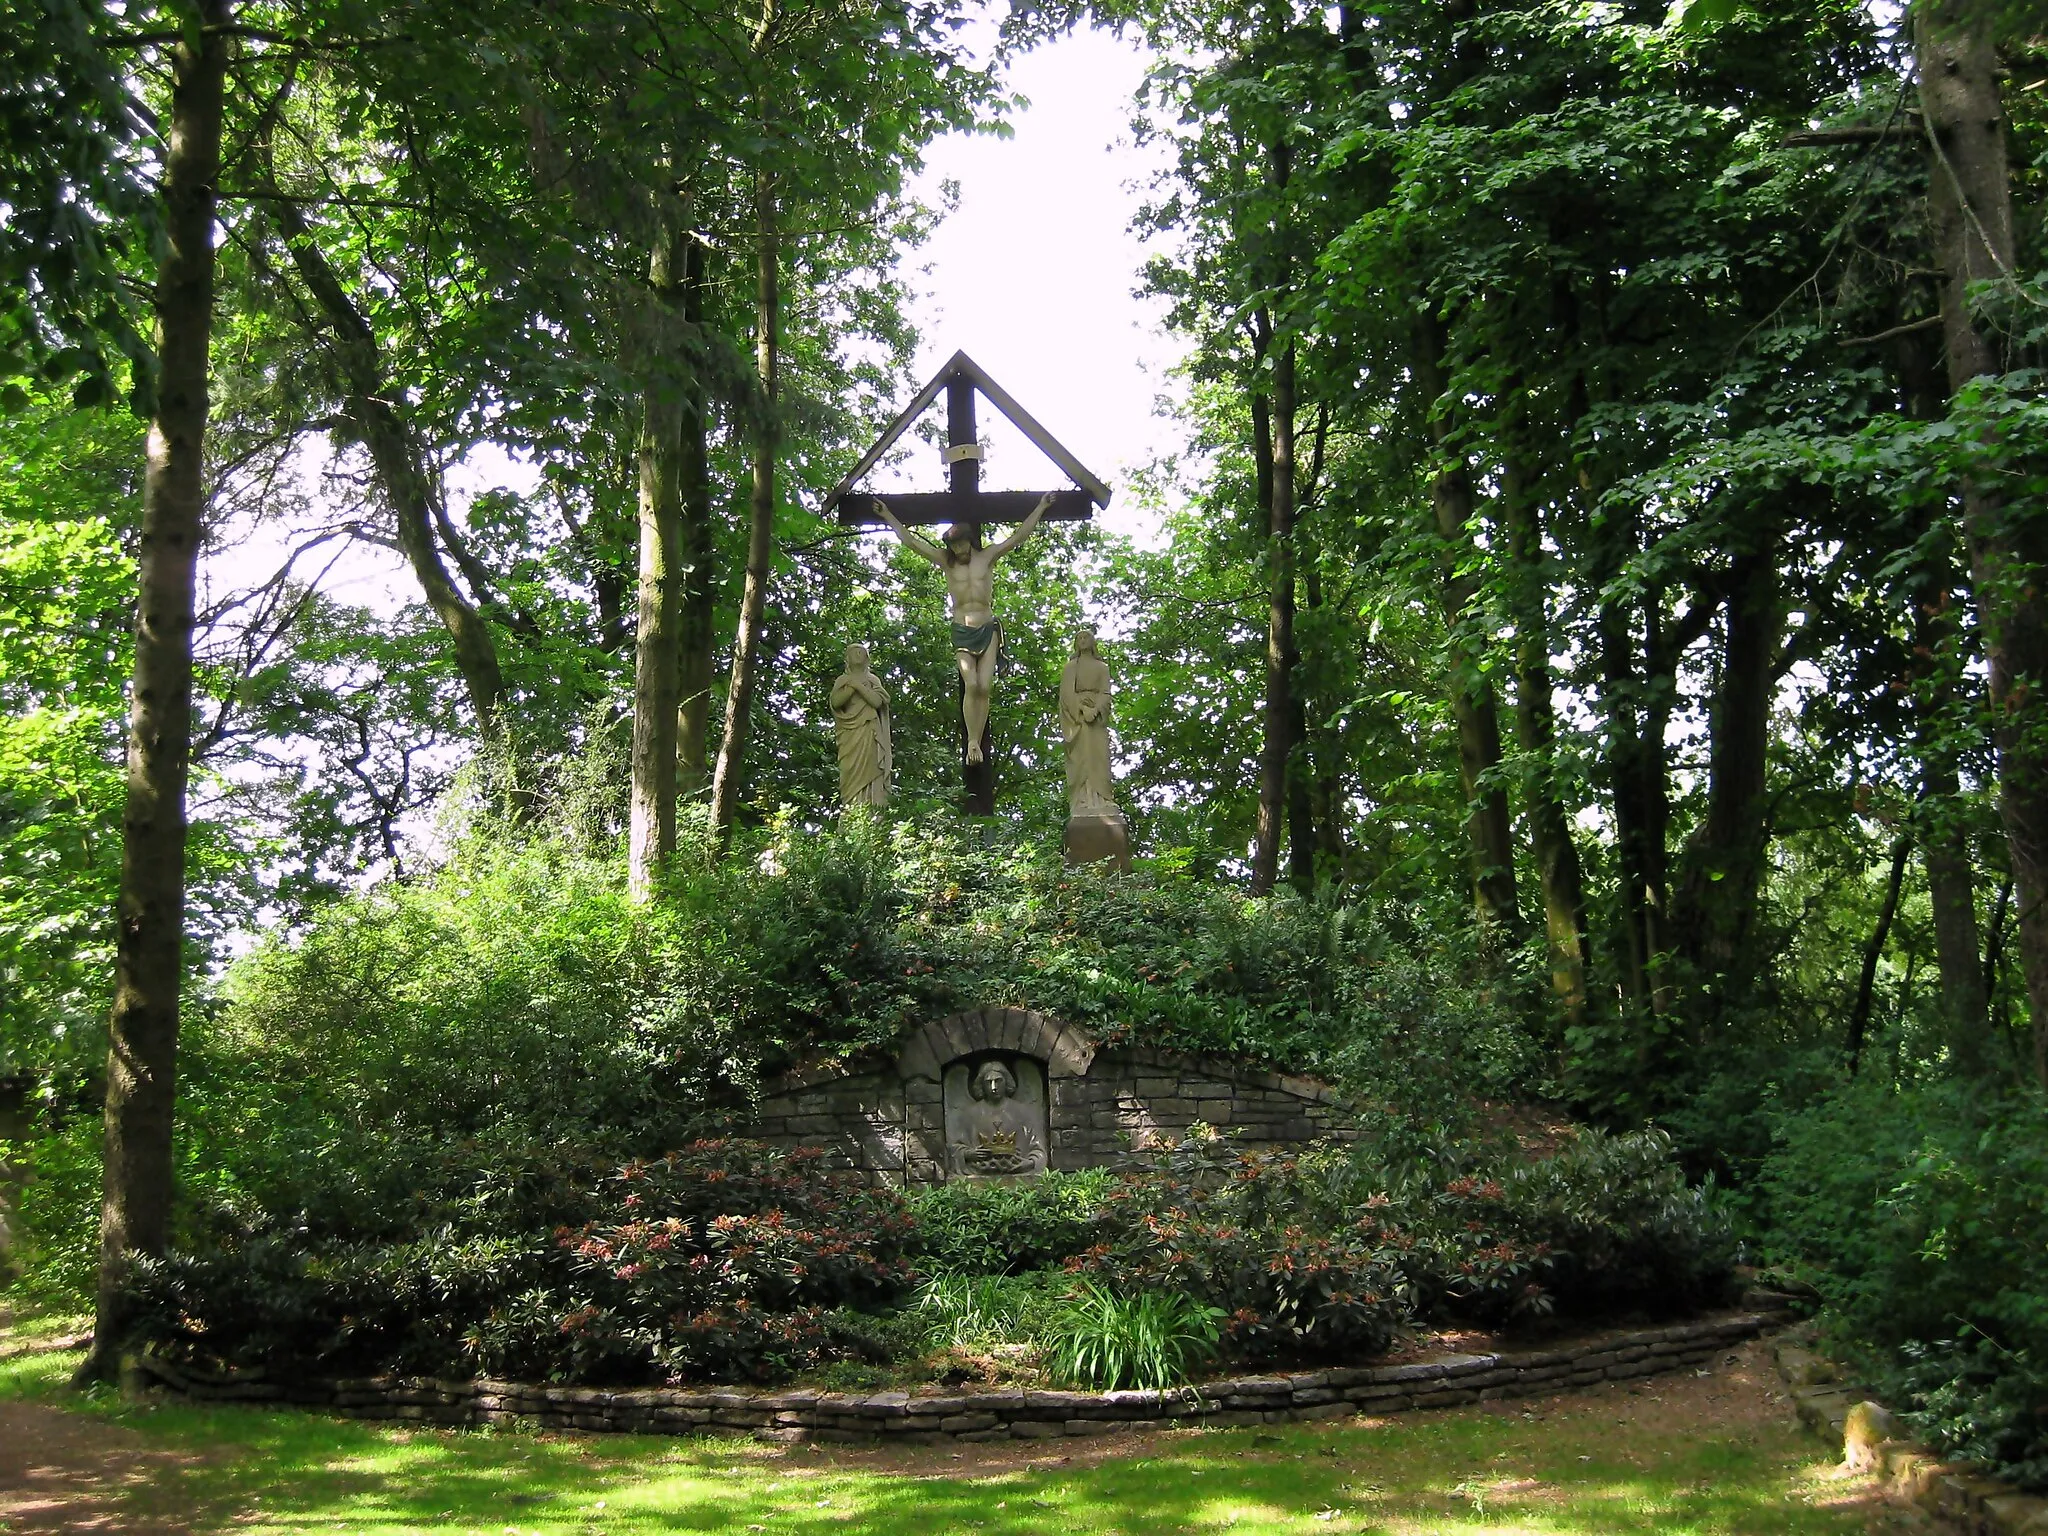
(725, 1260)
(1326, 1253)
(1464, 1255)
(1222, 1228)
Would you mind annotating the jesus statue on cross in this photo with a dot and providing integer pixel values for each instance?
(970, 582)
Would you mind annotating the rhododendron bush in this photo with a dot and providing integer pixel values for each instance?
(727, 1261)
(724, 1261)
(1324, 1254)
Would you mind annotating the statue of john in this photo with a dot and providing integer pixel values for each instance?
(970, 582)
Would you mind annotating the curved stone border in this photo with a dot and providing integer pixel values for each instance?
(1283, 1397)
(1843, 1414)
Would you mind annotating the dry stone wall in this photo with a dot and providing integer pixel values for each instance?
(1958, 1495)
(939, 1417)
(893, 1120)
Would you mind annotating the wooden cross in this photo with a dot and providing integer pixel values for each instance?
(966, 503)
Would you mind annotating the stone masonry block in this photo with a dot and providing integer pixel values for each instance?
(1006, 1027)
(1072, 1054)
(1038, 1036)
(962, 1035)
(918, 1060)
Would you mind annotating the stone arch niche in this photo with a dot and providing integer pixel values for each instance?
(1004, 1093)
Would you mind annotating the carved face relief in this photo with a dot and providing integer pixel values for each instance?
(996, 1117)
(993, 1083)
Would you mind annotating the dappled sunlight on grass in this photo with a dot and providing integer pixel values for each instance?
(1583, 1472)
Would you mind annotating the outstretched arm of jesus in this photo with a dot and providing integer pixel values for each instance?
(917, 544)
(1024, 528)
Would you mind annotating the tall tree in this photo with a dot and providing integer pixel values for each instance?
(149, 965)
(651, 835)
(1942, 829)
(1274, 409)
(1474, 706)
(375, 416)
(1559, 878)
(696, 624)
(1715, 904)
(746, 648)
(1970, 199)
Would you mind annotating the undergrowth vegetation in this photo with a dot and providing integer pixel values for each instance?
(464, 1048)
(1920, 1215)
(459, 1125)
(733, 1261)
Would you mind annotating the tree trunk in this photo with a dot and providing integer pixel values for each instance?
(739, 698)
(1281, 494)
(1952, 893)
(1558, 872)
(700, 554)
(1634, 722)
(1283, 711)
(1943, 837)
(1859, 1012)
(142, 1045)
(1994, 959)
(1716, 903)
(1970, 200)
(1308, 789)
(1488, 829)
(652, 837)
(1324, 755)
(1301, 808)
(399, 463)
(1279, 702)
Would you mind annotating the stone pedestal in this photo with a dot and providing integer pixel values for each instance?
(1094, 839)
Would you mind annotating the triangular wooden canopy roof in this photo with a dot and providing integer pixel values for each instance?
(962, 367)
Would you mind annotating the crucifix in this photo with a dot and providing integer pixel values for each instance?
(962, 554)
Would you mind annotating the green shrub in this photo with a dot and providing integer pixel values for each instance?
(968, 1227)
(1976, 1400)
(1619, 1227)
(271, 1300)
(1146, 1339)
(1921, 1216)
(1228, 1230)
(56, 1218)
(725, 1261)
(1325, 1254)
(1604, 1224)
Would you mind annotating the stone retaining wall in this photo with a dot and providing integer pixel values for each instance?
(887, 1119)
(932, 1419)
(1130, 1096)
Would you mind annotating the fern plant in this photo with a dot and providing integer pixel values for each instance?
(1148, 1339)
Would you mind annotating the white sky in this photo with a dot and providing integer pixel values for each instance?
(1034, 276)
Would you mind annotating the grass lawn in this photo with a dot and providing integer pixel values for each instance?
(1696, 1455)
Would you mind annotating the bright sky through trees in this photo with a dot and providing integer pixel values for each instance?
(1034, 274)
